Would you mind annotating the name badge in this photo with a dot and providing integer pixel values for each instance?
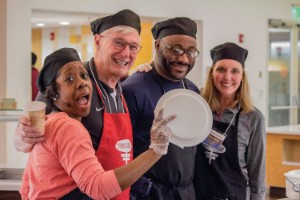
(214, 141)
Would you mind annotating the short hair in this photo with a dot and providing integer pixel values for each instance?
(119, 29)
(33, 58)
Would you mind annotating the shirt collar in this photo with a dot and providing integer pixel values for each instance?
(105, 86)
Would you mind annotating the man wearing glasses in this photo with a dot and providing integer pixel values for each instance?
(117, 43)
(176, 50)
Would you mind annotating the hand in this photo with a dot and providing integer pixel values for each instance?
(26, 135)
(146, 67)
(161, 133)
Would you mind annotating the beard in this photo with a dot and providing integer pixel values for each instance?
(165, 66)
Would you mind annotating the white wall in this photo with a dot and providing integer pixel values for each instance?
(15, 73)
(222, 22)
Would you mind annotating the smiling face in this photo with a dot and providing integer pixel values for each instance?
(116, 51)
(227, 76)
(74, 89)
(171, 66)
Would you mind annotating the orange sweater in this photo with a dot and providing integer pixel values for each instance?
(65, 160)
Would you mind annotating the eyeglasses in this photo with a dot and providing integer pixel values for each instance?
(177, 51)
(120, 44)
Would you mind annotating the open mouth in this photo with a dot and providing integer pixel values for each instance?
(83, 100)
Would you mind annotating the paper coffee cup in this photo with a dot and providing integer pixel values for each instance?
(35, 111)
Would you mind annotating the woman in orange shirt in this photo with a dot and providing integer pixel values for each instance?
(65, 159)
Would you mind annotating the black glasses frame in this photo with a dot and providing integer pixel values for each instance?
(177, 51)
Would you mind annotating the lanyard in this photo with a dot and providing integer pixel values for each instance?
(161, 84)
(103, 91)
(225, 133)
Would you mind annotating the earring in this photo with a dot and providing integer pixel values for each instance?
(55, 97)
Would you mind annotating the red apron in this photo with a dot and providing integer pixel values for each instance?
(115, 148)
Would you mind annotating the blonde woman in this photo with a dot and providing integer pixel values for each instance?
(230, 163)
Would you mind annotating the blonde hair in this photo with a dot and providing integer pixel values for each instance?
(211, 94)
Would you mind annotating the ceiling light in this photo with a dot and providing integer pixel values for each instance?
(40, 24)
(64, 23)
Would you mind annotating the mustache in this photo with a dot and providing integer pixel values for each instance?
(181, 63)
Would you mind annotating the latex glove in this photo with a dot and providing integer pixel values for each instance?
(161, 133)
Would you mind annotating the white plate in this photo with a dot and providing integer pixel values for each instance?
(194, 117)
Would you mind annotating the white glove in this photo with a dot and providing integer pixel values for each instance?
(161, 133)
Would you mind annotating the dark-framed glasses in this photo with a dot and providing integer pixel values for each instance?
(177, 51)
(120, 44)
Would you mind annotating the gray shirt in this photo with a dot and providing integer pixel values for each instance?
(251, 149)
